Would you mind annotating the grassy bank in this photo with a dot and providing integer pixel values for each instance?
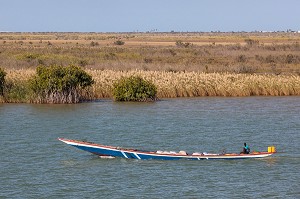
(178, 84)
(194, 84)
(199, 52)
(179, 64)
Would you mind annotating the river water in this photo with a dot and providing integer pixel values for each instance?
(34, 164)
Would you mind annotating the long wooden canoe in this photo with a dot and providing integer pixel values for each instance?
(111, 152)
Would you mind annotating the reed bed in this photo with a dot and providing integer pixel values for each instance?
(186, 84)
(194, 84)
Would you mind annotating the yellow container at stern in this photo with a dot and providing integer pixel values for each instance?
(271, 149)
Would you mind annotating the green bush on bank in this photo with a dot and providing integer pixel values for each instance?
(58, 84)
(17, 91)
(13, 90)
(134, 88)
(2, 81)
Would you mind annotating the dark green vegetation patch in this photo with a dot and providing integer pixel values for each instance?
(134, 88)
(58, 84)
(2, 81)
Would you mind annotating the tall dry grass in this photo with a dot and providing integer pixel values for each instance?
(187, 84)
(16, 88)
(193, 84)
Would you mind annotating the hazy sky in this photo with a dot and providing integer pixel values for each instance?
(147, 15)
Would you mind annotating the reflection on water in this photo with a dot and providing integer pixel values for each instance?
(34, 164)
(271, 161)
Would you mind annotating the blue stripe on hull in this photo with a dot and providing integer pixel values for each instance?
(131, 155)
(154, 157)
(101, 151)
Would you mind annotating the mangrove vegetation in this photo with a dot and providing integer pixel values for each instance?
(134, 88)
(50, 84)
(2, 81)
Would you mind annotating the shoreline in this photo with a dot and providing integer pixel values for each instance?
(184, 84)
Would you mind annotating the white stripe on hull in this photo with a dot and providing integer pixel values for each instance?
(136, 155)
(124, 154)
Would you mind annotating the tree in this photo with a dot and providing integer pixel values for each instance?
(58, 84)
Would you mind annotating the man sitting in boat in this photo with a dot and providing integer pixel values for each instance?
(246, 149)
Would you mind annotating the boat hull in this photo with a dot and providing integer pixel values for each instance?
(109, 151)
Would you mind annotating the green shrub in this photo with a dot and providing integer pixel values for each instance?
(252, 42)
(58, 84)
(16, 91)
(28, 56)
(119, 42)
(241, 58)
(290, 59)
(94, 43)
(2, 81)
(134, 88)
(182, 44)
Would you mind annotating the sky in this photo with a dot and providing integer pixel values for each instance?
(149, 15)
